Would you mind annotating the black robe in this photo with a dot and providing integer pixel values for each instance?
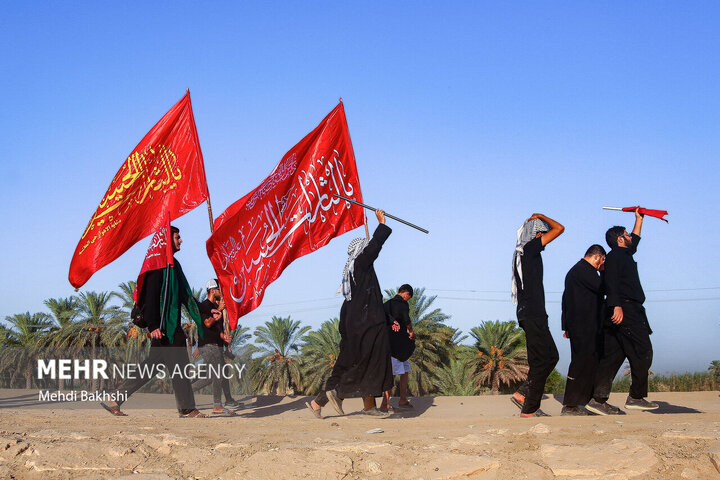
(365, 350)
(401, 346)
(582, 303)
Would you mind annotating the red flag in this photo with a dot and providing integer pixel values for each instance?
(646, 211)
(164, 173)
(291, 214)
(159, 255)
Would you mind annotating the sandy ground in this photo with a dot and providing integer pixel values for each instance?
(277, 437)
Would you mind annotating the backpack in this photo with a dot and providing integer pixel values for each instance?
(136, 315)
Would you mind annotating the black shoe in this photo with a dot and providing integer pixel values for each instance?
(602, 408)
(639, 404)
(536, 413)
(335, 401)
(570, 410)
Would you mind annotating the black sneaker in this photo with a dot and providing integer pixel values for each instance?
(569, 410)
(536, 413)
(639, 404)
(602, 408)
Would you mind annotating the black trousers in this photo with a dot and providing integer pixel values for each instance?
(584, 347)
(542, 358)
(631, 340)
(174, 357)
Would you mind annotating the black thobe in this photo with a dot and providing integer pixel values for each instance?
(582, 303)
(363, 363)
(173, 356)
(630, 339)
(401, 346)
(532, 318)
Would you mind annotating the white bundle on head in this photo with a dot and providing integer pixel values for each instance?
(527, 232)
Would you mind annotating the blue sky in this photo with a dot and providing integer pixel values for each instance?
(465, 118)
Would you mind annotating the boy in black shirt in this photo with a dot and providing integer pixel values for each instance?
(529, 294)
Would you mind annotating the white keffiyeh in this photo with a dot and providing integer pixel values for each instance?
(524, 234)
(354, 249)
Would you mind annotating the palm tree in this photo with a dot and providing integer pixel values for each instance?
(243, 360)
(457, 379)
(500, 354)
(99, 325)
(279, 372)
(434, 345)
(714, 368)
(189, 325)
(319, 353)
(24, 337)
(136, 342)
(64, 310)
(125, 295)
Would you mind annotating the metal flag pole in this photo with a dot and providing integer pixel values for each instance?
(613, 208)
(386, 214)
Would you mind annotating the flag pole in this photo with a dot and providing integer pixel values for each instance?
(386, 214)
(613, 208)
(210, 213)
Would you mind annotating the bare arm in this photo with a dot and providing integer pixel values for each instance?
(638, 222)
(556, 229)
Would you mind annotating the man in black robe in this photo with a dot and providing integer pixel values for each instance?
(363, 367)
(529, 293)
(626, 328)
(163, 292)
(582, 303)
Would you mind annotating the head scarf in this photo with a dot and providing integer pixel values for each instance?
(354, 249)
(524, 234)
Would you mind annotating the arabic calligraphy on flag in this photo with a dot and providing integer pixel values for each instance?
(159, 255)
(164, 173)
(291, 213)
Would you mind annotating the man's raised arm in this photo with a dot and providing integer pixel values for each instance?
(556, 229)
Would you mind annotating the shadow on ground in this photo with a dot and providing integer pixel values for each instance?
(665, 407)
(19, 401)
(269, 405)
(419, 406)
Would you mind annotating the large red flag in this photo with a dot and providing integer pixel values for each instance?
(647, 211)
(164, 173)
(292, 213)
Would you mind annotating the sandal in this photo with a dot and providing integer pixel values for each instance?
(315, 412)
(194, 414)
(114, 410)
(518, 403)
